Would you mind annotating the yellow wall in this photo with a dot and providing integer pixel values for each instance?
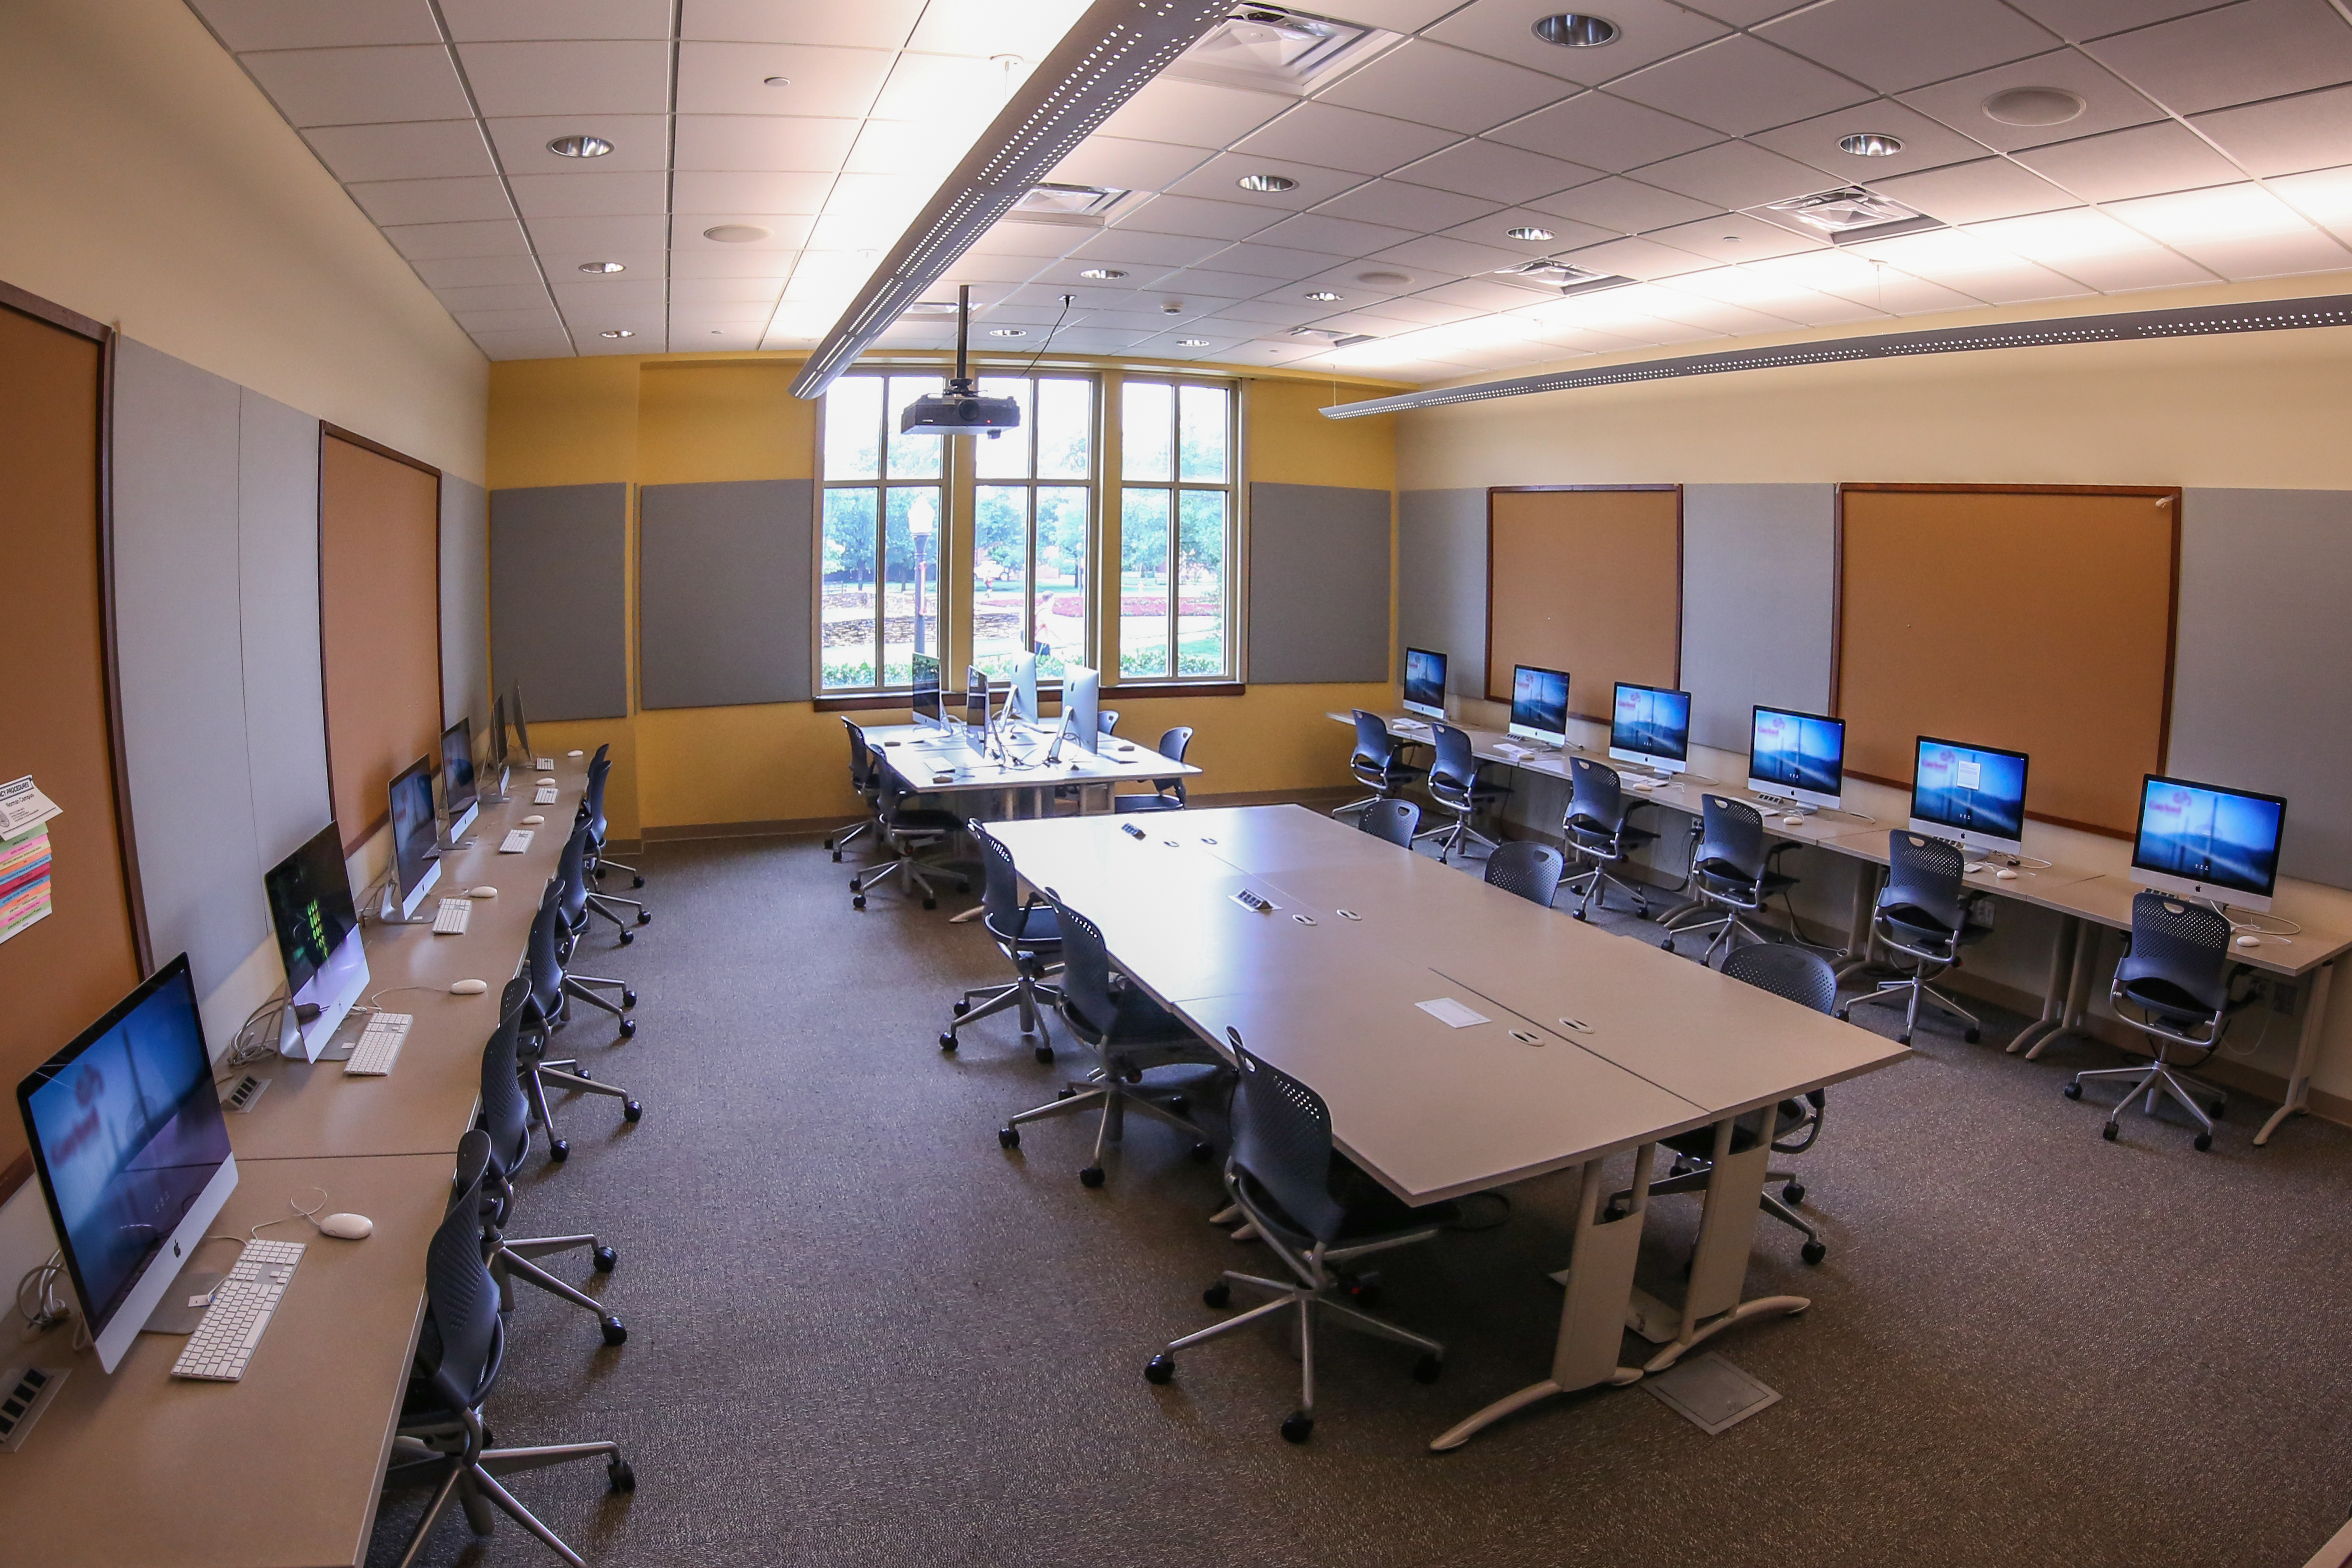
(693, 419)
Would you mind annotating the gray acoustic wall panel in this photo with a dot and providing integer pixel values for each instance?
(559, 563)
(2260, 658)
(1319, 584)
(1442, 580)
(723, 583)
(1760, 589)
(277, 578)
(464, 603)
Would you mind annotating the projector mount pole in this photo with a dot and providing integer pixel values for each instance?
(962, 385)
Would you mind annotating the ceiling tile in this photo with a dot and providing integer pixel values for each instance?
(1406, 207)
(479, 272)
(2324, 196)
(1747, 13)
(2080, 19)
(1429, 312)
(1962, 261)
(697, 334)
(591, 237)
(590, 195)
(1275, 260)
(1628, 206)
(472, 21)
(706, 260)
(2286, 135)
(1493, 229)
(564, 266)
(360, 87)
(1484, 168)
(1891, 45)
(443, 241)
(432, 201)
(640, 143)
(1016, 236)
(245, 24)
(411, 149)
(537, 316)
(1605, 132)
(2092, 248)
(2238, 231)
(820, 83)
(567, 77)
(1639, 258)
(2108, 103)
(1435, 257)
(493, 297)
(1736, 174)
(711, 192)
(1735, 237)
(998, 268)
(1877, 286)
(609, 297)
(1974, 193)
(1717, 316)
(1209, 283)
(1193, 113)
(1482, 293)
(983, 28)
(1336, 236)
(1140, 248)
(1741, 84)
(1926, 144)
(763, 142)
(2142, 161)
(2259, 49)
(1449, 88)
(1219, 180)
(1279, 312)
(1755, 290)
(1197, 216)
(1648, 31)
(1123, 164)
(549, 343)
(869, 24)
(1340, 138)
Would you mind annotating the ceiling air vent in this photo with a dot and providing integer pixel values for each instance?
(1085, 205)
(1338, 340)
(1564, 275)
(1848, 216)
(1274, 48)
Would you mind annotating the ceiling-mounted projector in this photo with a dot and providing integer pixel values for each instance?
(959, 409)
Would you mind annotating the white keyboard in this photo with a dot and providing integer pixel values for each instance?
(241, 1307)
(378, 1046)
(454, 916)
(544, 795)
(516, 840)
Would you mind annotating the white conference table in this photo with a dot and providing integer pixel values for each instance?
(945, 761)
(1589, 1045)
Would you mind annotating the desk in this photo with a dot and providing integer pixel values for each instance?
(1593, 1046)
(919, 755)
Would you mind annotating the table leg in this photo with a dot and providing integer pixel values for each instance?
(1727, 1232)
(2307, 1052)
(1859, 936)
(2078, 991)
(2058, 990)
(1600, 1279)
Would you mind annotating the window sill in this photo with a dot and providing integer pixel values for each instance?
(865, 701)
(1143, 689)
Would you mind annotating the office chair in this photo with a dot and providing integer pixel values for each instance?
(1028, 935)
(1806, 978)
(592, 808)
(1730, 874)
(2175, 978)
(1320, 1213)
(548, 1007)
(907, 832)
(573, 905)
(1923, 915)
(504, 1117)
(1529, 870)
(1377, 762)
(1393, 820)
(1131, 1034)
(1455, 786)
(1166, 794)
(864, 777)
(1597, 832)
(439, 1440)
(1106, 721)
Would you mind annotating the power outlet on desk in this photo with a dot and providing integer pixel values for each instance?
(24, 1393)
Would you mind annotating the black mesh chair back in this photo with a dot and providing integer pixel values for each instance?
(861, 760)
(1455, 775)
(1282, 1143)
(1923, 884)
(505, 1114)
(1172, 744)
(1394, 820)
(592, 801)
(1000, 893)
(1106, 721)
(1797, 973)
(1730, 854)
(572, 875)
(1086, 971)
(463, 1338)
(2179, 962)
(1531, 871)
(1375, 751)
(1596, 802)
(544, 951)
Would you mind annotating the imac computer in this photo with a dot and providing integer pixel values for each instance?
(926, 695)
(1022, 703)
(1797, 758)
(319, 938)
(414, 866)
(459, 797)
(1973, 796)
(1539, 704)
(1650, 725)
(2206, 842)
(522, 734)
(133, 1155)
(1082, 706)
(497, 793)
(976, 730)
(1424, 683)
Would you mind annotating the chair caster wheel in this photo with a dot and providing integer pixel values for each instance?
(930, 903)
(583, 1072)
(628, 1028)
(857, 901)
(2072, 1092)
(1903, 1038)
(1844, 1016)
(1219, 1296)
(1159, 1369)
(1812, 1252)
(645, 917)
(1297, 1428)
(1008, 1137)
(632, 1110)
(627, 937)
(1365, 1290)
(1046, 1055)
(559, 1150)
(605, 1259)
(1973, 1036)
(2215, 1109)
(1064, 1093)
(1580, 915)
(1200, 1152)
(638, 882)
(615, 1331)
(623, 1480)
(2204, 1141)
(1426, 1369)
(960, 1008)
(947, 1041)
(1613, 1213)
(1667, 945)
(836, 857)
(1092, 1176)
(1793, 1192)
(963, 886)
(628, 998)
(2109, 1132)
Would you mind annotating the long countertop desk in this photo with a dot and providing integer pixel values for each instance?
(1590, 1047)
(281, 1470)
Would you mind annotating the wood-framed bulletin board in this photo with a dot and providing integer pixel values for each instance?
(1586, 579)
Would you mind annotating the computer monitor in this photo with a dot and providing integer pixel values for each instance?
(1082, 705)
(1796, 757)
(927, 709)
(1424, 683)
(1539, 704)
(132, 1152)
(1974, 795)
(319, 940)
(1022, 703)
(522, 730)
(414, 862)
(497, 734)
(975, 696)
(2207, 842)
(458, 795)
(1650, 724)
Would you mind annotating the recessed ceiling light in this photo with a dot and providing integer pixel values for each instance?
(1527, 231)
(1571, 30)
(620, 332)
(580, 146)
(2033, 106)
(1103, 274)
(1266, 182)
(602, 267)
(776, 81)
(1871, 144)
(1192, 343)
(1380, 279)
(1325, 295)
(735, 233)
(1008, 332)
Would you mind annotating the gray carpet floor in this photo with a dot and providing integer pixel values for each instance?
(863, 1334)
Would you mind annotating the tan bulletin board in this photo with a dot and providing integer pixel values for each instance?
(379, 624)
(1587, 580)
(2037, 618)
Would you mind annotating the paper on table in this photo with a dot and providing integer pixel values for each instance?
(1447, 1011)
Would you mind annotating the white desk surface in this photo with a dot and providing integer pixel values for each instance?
(919, 754)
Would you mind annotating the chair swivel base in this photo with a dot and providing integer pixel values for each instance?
(1595, 881)
(1450, 838)
(1729, 926)
(1026, 994)
(1114, 1097)
(512, 1261)
(1915, 990)
(2157, 1079)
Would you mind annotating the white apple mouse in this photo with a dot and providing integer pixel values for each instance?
(533, 820)
(2006, 874)
(2249, 942)
(484, 892)
(347, 1227)
(468, 987)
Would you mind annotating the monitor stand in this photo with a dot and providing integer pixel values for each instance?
(173, 1314)
(496, 796)
(388, 912)
(1786, 807)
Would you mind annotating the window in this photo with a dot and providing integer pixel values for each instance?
(1033, 506)
(882, 511)
(1175, 530)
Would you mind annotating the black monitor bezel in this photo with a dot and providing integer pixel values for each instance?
(1568, 690)
(421, 765)
(2139, 831)
(1444, 672)
(1758, 710)
(1617, 687)
(2024, 781)
(456, 807)
(332, 835)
